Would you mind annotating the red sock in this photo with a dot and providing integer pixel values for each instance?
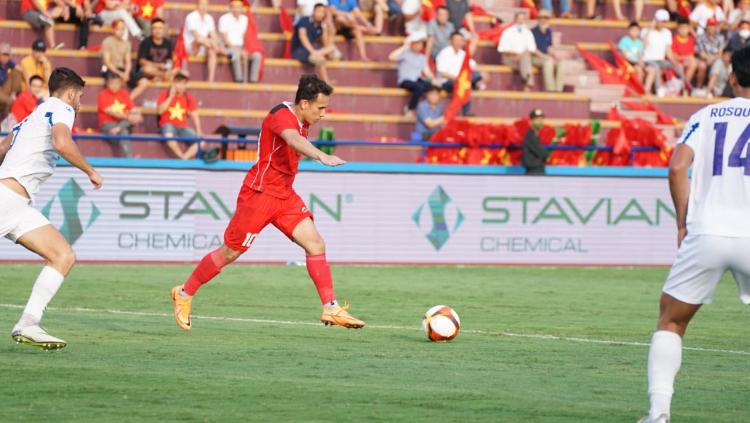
(207, 269)
(317, 268)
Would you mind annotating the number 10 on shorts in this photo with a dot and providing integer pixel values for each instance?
(249, 238)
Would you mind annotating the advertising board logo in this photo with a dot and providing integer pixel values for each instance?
(69, 197)
(439, 217)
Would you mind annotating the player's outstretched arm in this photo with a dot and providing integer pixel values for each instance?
(679, 186)
(305, 147)
(5, 146)
(62, 140)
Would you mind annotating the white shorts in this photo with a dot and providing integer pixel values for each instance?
(17, 217)
(700, 264)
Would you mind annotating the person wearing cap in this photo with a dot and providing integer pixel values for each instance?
(683, 48)
(24, 103)
(116, 112)
(36, 63)
(704, 11)
(553, 69)
(534, 155)
(430, 113)
(175, 106)
(657, 50)
(414, 73)
(517, 46)
(439, 32)
(41, 17)
(116, 54)
(119, 10)
(710, 43)
(201, 38)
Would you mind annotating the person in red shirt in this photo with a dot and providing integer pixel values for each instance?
(175, 106)
(41, 16)
(268, 198)
(116, 112)
(683, 47)
(25, 102)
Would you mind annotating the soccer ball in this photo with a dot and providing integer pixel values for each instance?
(441, 324)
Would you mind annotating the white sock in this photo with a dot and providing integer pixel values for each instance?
(45, 288)
(332, 304)
(664, 360)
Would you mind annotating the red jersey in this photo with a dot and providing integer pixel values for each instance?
(119, 101)
(23, 105)
(178, 110)
(277, 163)
(683, 46)
(27, 5)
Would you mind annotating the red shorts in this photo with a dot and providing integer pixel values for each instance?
(255, 210)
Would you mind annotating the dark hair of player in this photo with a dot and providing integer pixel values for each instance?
(36, 78)
(741, 66)
(63, 79)
(310, 86)
(157, 20)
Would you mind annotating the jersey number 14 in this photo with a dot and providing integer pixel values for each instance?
(735, 157)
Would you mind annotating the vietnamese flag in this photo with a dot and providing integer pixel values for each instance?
(683, 8)
(626, 70)
(252, 43)
(287, 27)
(429, 9)
(461, 88)
(179, 54)
(531, 7)
(493, 34)
(608, 74)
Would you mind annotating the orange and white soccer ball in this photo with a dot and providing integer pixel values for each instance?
(441, 323)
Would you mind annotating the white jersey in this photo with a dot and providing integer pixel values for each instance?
(719, 201)
(31, 158)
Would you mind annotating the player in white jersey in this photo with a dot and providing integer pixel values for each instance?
(713, 227)
(28, 156)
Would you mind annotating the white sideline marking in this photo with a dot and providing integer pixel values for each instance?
(385, 327)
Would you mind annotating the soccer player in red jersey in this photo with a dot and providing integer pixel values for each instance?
(267, 197)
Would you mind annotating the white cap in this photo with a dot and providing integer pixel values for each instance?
(661, 15)
(416, 36)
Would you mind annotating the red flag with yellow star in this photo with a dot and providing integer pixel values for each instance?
(608, 74)
(627, 71)
(287, 27)
(461, 89)
(179, 54)
(252, 43)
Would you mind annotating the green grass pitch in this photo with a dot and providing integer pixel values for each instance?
(257, 354)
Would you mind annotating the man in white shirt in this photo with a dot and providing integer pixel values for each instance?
(657, 50)
(449, 61)
(517, 47)
(713, 231)
(28, 156)
(200, 37)
(232, 27)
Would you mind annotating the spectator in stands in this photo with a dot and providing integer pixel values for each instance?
(174, 107)
(11, 81)
(637, 8)
(684, 48)
(430, 113)
(740, 38)
(379, 11)
(81, 14)
(36, 63)
(631, 46)
(116, 54)
(119, 10)
(591, 10)
(154, 62)
(439, 32)
(116, 111)
(705, 10)
(305, 8)
(657, 50)
(534, 155)
(351, 24)
(460, 15)
(312, 42)
(710, 43)
(146, 11)
(449, 62)
(739, 14)
(553, 69)
(564, 8)
(718, 79)
(414, 73)
(201, 38)
(517, 46)
(411, 11)
(24, 103)
(41, 17)
(232, 27)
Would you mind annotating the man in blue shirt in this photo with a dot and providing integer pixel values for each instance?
(553, 70)
(312, 42)
(352, 24)
(430, 113)
(11, 81)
